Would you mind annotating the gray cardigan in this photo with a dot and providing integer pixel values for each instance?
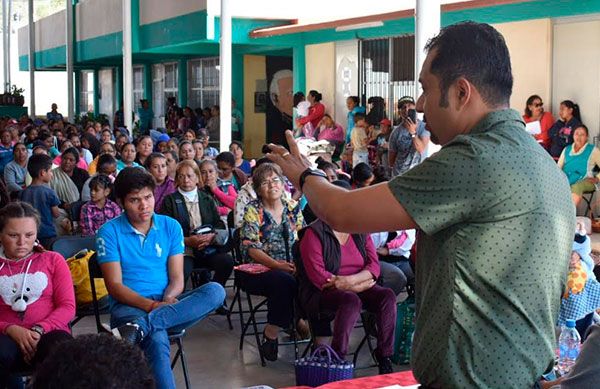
(14, 176)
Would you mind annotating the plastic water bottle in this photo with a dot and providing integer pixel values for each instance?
(568, 347)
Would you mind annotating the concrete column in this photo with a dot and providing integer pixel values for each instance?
(118, 74)
(69, 40)
(225, 75)
(299, 68)
(31, 61)
(8, 35)
(127, 66)
(148, 83)
(427, 25)
(96, 92)
(5, 35)
(182, 83)
(77, 92)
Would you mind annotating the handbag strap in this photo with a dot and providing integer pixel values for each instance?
(332, 356)
(286, 238)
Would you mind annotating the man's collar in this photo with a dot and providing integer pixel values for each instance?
(495, 117)
(128, 228)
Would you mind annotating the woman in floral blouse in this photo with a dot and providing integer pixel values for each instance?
(269, 230)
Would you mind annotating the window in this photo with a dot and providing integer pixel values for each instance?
(203, 76)
(387, 70)
(164, 85)
(86, 92)
(138, 86)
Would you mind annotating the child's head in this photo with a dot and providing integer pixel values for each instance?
(362, 175)
(99, 188)
(360, 120)
(107, 164)
(19, 223)
(39, 167)
(225, 163)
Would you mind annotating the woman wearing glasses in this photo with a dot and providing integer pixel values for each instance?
(269, 230)
(534, 111)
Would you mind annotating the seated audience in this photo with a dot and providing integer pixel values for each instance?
(162, 143)
(83, 152)
(38, 300)
(229, 175)
(269, 230)
(94, 361)
(145, 281)
(393, 249)
(193, 209)
(6, 148)
(204, 136)
(68, 179)
(338, 275)
(100, 208)
(128, 155)
(67, 144)
(578, 161)
(198, 151)
(42, 197)
(189, 135)
(16, 170)
(561, 133)
(330, 131)
(534, 111)
(225, 200)
(186, 151)
(156, 164)
(237, 149)
(172, 161)
(105, 148)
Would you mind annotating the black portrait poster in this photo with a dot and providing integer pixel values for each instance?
(280, 99)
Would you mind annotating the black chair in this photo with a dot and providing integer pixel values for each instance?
(174, 337)
(75, 214)
(589, 200)
(70, 246)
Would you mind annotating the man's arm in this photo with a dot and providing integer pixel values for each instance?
(114, 284)
(175, 287)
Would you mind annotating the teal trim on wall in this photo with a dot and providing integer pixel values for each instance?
(96, 94)
(182, 82)
(135, 25)
(182, 29)
(299, 68)
(103, 46)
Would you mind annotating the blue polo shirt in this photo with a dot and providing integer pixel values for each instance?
(143, 258)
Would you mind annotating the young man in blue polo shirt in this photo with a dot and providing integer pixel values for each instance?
(141, 256)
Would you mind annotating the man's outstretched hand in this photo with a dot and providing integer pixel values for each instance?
(291, 162)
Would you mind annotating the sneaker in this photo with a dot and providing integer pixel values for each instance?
(269, 348)
(129, 332)
(384, 365)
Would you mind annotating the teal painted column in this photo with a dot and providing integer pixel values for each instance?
(77, 97)
(237, 84)
(148, 83)
(119, 85)
(135, 26)
(299, 64)
(96, 93)
(182, 82)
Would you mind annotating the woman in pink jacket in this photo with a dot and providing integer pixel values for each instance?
(37, 300)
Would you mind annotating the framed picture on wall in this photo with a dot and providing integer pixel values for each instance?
(260, 102)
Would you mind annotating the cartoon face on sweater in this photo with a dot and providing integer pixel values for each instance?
(11, 288)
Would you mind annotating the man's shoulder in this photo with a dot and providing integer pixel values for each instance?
(110, 227)
(165, 222)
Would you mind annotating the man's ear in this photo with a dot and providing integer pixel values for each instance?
(463, 92)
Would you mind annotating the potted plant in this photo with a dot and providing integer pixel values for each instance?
(17, 93)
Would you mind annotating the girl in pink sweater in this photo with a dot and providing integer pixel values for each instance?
(37, 300)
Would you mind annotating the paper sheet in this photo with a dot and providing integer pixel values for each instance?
(534, 128)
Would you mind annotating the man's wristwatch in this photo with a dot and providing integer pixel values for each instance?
(413, 135)
(310, 172)
(38, 328)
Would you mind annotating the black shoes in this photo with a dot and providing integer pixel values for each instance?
(384, 364)
(129, 332)
(269, 348)
(222, 310)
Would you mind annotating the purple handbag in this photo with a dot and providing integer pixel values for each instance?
(322, 366)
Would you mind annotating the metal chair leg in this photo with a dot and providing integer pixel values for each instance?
(183, 363)
(255, 328)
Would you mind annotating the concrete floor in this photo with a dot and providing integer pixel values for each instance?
(214, 360)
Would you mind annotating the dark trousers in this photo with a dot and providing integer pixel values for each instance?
(347, 307)
(11, 358)
(279, 288)
(220, 263)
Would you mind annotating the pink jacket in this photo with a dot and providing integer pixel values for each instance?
(48, 292)
(335, 134)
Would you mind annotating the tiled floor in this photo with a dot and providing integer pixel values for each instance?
(214, 360)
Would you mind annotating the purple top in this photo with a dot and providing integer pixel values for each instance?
(162, 191)
(335, 134)
(351, 260)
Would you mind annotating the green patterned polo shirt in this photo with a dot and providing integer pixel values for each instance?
(497, 227)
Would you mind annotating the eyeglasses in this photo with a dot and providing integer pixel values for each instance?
(268, 183)
(537, 105)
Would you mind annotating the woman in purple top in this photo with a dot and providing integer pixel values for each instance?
(156, 164)
(337, 280)
(329, 130)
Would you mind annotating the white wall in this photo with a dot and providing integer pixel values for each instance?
(320, 73)
(98, 17)
(50, 32)
(155, 10)
(576, 69)
(346, 77)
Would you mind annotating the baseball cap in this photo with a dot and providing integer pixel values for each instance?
(405, 100)
(386, 122)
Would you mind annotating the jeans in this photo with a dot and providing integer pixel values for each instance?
(392, 277)
(11, 359)
(192, 307)
(347, 307)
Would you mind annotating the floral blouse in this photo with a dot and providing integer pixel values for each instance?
(260, 231)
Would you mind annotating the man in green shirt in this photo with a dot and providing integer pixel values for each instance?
(495, 216)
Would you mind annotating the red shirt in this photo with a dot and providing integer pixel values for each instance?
(315, 114)
(351, 261)
(545, 122)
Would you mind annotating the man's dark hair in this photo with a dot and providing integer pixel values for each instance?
(361, 172)
(238, 144)
(105, 159)
(477, 52)
(94, 361)
(37, 163)
(226, 157)
(132, 179)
